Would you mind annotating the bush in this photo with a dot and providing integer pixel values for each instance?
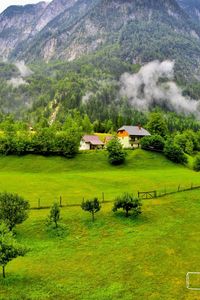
(197, 163)
(13, 209)
(187, 141)
(174, 153)
(153, 142)
(92, 206)
(116, 154)
(128, 202)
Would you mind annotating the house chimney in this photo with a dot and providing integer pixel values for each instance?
(139, 127)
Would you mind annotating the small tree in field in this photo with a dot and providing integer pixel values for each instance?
(13, 209)
(9, 249)
(54, 216)
(128, 203)
(92, 206)
(116, 154)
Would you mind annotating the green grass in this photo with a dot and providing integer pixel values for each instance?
(116, 257)
(88, 175)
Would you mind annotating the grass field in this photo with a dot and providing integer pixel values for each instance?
(116, 257)
(88, 175)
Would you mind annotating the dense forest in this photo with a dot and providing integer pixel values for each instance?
(88, 87)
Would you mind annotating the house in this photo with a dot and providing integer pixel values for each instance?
(130, 136)
(91, 142)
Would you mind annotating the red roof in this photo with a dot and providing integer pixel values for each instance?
(92, 139)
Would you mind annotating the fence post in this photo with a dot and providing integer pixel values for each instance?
(179, 187)
(39, 203)
(138, 194)
(60, 201)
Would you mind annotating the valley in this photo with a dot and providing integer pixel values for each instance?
(121, 77)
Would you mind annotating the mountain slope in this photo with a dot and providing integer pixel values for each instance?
(17, 24)
(133, 30)
(140, 30)
(22, 23)
(52, 39)
(192, 7)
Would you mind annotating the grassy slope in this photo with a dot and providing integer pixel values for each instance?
(89, 175)
(114, 258)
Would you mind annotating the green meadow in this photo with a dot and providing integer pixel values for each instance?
(90, 175)
(115, 257)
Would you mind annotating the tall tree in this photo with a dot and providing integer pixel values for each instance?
(157, 124)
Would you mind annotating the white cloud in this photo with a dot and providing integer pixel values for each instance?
(23, 69)
(153, 85)
(24, 72)
(16, 82)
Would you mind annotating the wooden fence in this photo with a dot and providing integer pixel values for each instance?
(158, 194)
(147, 195)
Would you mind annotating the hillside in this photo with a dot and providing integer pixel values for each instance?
(138, 31)
(114, 257)
(48, 178)
(17, 25)
(191, 7)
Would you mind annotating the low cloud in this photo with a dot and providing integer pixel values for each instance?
(23, 69)
(24, 72)
(16, 82)
(153, 86)
(87, 97)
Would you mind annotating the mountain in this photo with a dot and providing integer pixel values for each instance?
(17, 24)
(136, 31)
(21, 23)
(192, 7)
(53, 39)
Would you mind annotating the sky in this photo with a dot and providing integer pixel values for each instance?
(5, 3)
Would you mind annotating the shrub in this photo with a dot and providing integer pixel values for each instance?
(153, 142)
(187, 141)
(92, 206)
(174, 153)
(116, 154)
(13, 209)
(128, 202)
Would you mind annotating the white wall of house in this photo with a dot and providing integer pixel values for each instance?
(84, 146)
(125, 141)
